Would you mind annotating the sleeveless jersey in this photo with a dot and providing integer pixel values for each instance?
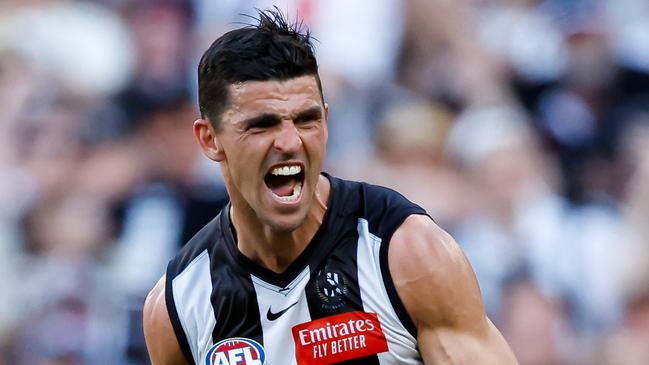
(336, 303)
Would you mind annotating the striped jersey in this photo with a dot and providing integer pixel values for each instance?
(336, 303)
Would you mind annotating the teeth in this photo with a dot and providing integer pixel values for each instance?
(286, 170)
(297, 189)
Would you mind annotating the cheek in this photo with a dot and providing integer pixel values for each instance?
(245, 160)
(315, 142)
(315, 135)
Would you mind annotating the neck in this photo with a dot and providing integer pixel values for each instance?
(273, 249)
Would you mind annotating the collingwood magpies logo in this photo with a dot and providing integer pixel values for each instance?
(332, 288)
(332, 285)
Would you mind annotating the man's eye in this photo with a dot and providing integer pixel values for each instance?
(262, 125)
(307, 119)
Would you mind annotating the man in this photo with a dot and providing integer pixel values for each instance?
(302, 267)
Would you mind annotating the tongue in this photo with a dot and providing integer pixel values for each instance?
(281, 185)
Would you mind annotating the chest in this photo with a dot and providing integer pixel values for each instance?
(332, 312)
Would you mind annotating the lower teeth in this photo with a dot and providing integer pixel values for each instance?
(297, 189)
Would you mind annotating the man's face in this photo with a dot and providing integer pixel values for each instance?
(273, 138)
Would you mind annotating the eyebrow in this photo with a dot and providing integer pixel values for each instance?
(267, 119)
(314, 112)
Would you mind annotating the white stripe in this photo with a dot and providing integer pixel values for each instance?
(401, 344)
(192, 289)
(278, 338)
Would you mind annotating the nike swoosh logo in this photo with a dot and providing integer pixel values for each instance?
(273, 316)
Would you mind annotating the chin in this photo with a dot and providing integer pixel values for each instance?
(285, 225)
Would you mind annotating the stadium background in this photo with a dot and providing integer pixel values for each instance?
(522, 126)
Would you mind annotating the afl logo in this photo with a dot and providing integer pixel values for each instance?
(236, 351)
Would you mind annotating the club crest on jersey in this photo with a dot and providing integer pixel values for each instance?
(236, 351)
(332, 288)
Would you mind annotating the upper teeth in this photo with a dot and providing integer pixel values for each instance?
(286, 170)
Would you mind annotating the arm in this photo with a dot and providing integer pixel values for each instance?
(159, 334)
(440, 293)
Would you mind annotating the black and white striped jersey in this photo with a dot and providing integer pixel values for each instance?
(336, 302)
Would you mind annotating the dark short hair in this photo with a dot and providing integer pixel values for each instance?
(274, 49)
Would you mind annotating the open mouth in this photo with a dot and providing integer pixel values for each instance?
(285, 182)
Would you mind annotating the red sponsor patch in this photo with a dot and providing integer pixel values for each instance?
(338, 338)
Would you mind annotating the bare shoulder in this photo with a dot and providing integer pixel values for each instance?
(440, 292)
(160, 338)
(431, 272)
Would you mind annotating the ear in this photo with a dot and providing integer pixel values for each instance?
(326, 110)
(326, 121)
(208, 140)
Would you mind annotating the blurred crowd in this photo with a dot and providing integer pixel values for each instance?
(522, 126)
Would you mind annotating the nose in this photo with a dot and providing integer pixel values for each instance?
(288, 138)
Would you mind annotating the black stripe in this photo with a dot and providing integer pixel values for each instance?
(173, 315)
(233, 298)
